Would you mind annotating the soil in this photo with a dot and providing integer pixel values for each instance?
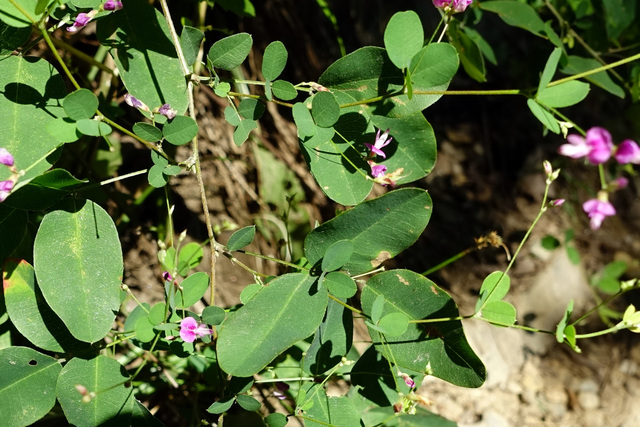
(488, 177)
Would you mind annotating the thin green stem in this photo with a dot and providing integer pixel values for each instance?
(595, 70)
(603, 178)
(592, 310)
(277, 380)
(279, 261)
(448, 261)
(24, 12)
(603, 332)
(347, 306)
(54, 51)
(136, 137)
(260, 97)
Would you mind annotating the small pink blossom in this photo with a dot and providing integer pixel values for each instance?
(167, 276)
(190, 329)
(377, 171)
(407, 379)
(598, 209)
(282, 389)
(5, 189)
(620, 183)
(112, 5)
(628, 152)
(5, 157)
(380, 142)
(167, 111)
(557, 202)
(82, 20)
(134, 102)
(597, 146)
(454, 5)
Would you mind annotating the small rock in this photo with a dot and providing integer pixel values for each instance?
(628, 367)
(588, 399)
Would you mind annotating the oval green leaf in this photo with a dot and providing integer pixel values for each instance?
(251, 109)
(213, 315)
(515, 14)
(190, 40)
(403, 37)
(494, 287)
(439, 349)
(248, 403)
(394, 324)
(78, 245)
(231, 51)
(434, 65)
(194, 288)
(274, 61)
(147, 131)
(112, 403)
(545, 117)
(63, 129)
(249, 292)
(284, 90)
(564, 94)
(180, 130)
(499, 313)
(340, 285)
(93, 127)
(325, 109)
(81, 104)
(303, 120)
(241, 134)
(337, 255)
(241, 238)
(379, 229)
(189, 258)
(289, 309)
(25, 372)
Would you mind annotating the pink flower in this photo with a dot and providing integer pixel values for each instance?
(167, 276)
(167, 111)
(81, 20)
(377, 171)
(112, 5)
(190, 329)
(596, 146)
(598, 209)
(134, 102)
(628, 152)
(455, 5)
(557, 202)
(619, 183)
(5, 157)
(380, 142)
(407, 379)
(5, 189)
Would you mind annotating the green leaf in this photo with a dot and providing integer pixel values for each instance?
(30, 314)
(337, 255)
(619, 14)
(564, 94)
(274, 60)
(180, 130)
(81, 104)
(140, 43)
(434, 65)
(26, 373)
(368, 73)
(403, 37)
(377, 307)
(241, 238)
(171, 170)
(494, 287)
(147, 131)
(156, 177)
(251, 109)
(232, 116)
(303, 120)
(44, 191)
(137, 313)
(379, 229)
(248, 403)
(576, 65)
(63, 129)
(222, 90)
(549, 69)
(221, 406)
(190, 40)
(289, 309)
(499, 312)
(106, 381)
(213, 315)
(284, 90)
(241, 134)
(194, 288)
(14, 16)
(144, 329)
(276, 420)
(516, 14)
(470, 53)
(563, 322)
(550, 243)
(231, 51)
(189, 258)
(157, 313)
(325, 109)
(340, 285)
(326, 410)
(31, 97)
(545, 117)
(11, 37)
(484, 47)
(439, 349)
(141, 417)
(93, 127)
(336, 175)
(372, 378)
(78, 245)
(394, 324)
(332, 340)
(249, 292)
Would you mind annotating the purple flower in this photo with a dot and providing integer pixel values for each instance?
(620, 183)
(81, 20)
(5, 189)
(377, 171)
(407, 380)
(167, 111)
(134, 102)
(112, 5)
(598, 210)
(455, 5)
(381, 142)
(557, 202)
(596, 146)
(628, 152)
(282, 389)
(167, 276)
(190, 329)
(5, 157)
